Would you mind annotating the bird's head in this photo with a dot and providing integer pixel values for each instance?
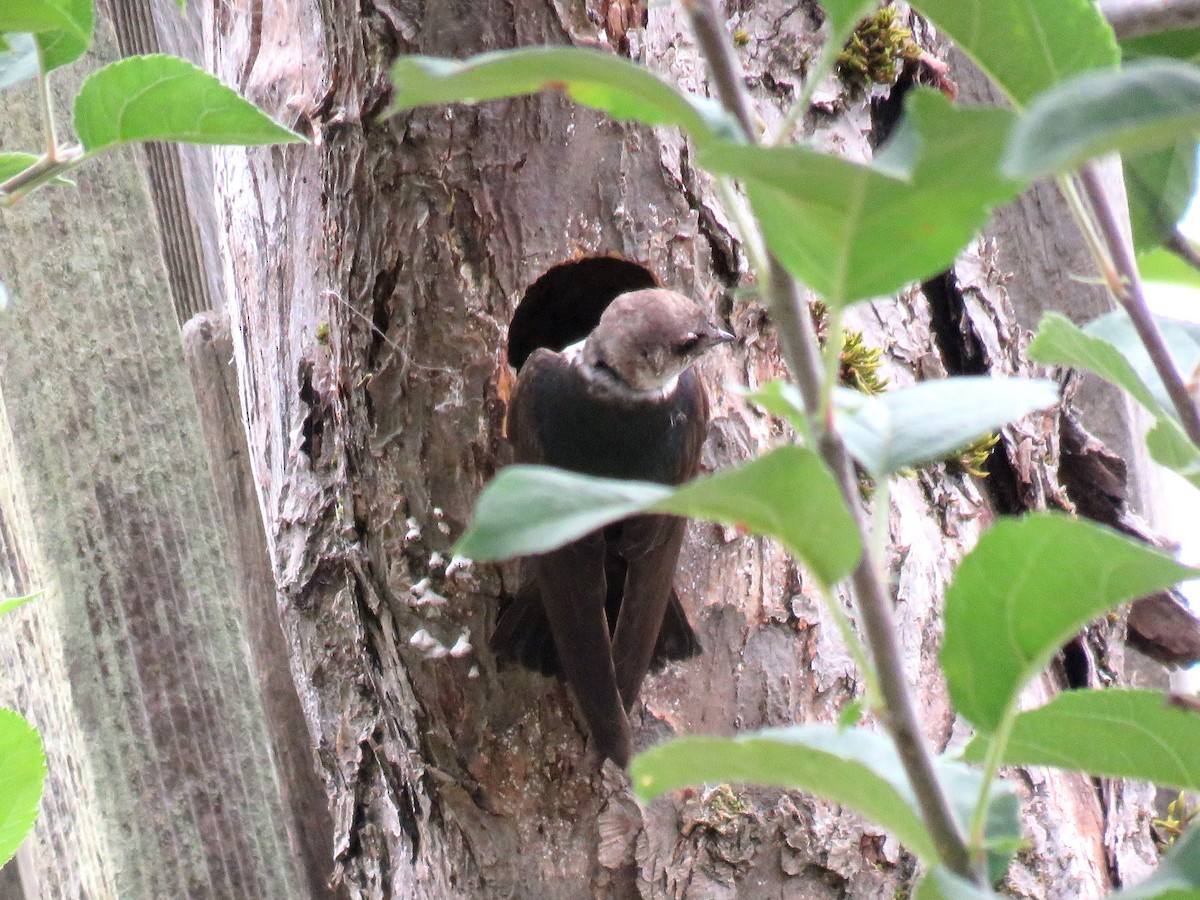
(646, 339)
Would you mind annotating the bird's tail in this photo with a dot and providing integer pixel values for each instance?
(523, 635)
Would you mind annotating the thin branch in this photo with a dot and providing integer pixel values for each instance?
(1137, 18)
(726, 72)
(1127, 288)
(744, 221)
(47, 103)
(803, 355)
(1178, 244)
(41, 171)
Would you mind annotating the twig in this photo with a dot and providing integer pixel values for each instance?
(1127, 288)
(1136, 18)
(47, 104)
(803, 355)
(42, 170)
(1183, 248)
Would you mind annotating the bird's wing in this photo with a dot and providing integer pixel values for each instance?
(650, 546)
(541, 364)
(563, 597)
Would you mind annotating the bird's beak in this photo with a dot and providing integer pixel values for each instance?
(720, 336)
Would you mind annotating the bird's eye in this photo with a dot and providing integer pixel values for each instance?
(686, 347)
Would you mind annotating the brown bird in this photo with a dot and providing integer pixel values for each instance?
(623, 403)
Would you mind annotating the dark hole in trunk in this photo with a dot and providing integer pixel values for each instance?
(565, 303)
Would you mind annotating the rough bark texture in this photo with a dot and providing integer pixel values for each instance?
(373, 275)
(104, 426)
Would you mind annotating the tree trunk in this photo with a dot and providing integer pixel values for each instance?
(373, 275)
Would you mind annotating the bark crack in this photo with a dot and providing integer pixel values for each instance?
(724, 247)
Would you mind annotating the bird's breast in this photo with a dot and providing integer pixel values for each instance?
(595, 432)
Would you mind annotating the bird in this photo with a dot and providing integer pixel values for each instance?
(624, 403)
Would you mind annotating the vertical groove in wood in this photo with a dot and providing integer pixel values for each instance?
(179, 230)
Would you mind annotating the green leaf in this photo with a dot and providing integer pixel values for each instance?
(1026, 588)
(13, 163)
(532, 509)
(851, 714)
(851, 766)
(44, 15)
(1145, 738)
(1177, 876)
(165, 98)
(1110, 348)
(1142, 107)
(63, 27)
(14, 602)
(940, 884)
(925, 423)
(22, 772)
(1183, 44)
(852, 231)
(1182, 340)
(623, 89)
(18, 61)
(780, 398)
(1059, 342)
(787, 494)
(1160, 186)
(1167, 268)
(1170, 447)
(1024, 45)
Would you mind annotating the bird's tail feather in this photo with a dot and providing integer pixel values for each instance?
(523, 635)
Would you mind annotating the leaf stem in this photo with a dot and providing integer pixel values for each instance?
(1178, 244)
(834, 339)
(880, 515)
(1119, 268)
(873, 695)
(997, 744)
(42, 171)
(747, 227)
(802, 353)
(47, 104)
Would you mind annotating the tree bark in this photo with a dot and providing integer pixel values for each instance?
(373, 275)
